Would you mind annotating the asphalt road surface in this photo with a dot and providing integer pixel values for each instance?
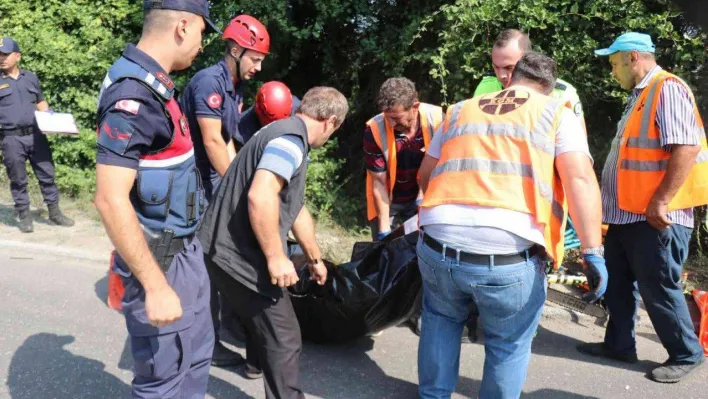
(59, 340)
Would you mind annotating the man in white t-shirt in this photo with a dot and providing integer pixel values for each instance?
(495, 180)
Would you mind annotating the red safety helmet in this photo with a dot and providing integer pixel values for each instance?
(273, 102)
(248, 33)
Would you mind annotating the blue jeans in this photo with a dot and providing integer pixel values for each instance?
(642, 260)
(510, 301)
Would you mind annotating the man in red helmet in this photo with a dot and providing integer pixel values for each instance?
(212, 104)
(274, 101)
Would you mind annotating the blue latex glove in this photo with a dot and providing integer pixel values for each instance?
(380, 236)
(596, 272)
(418, 201)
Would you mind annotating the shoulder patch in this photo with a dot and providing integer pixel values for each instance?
(130, 106)
(165, 80)
(214, 100)
(114, 133)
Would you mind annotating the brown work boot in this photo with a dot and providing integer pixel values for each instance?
(25, 221)
(598, 349)
(58, 218)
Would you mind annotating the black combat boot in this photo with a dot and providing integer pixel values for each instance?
(25, 221)
(58, 218)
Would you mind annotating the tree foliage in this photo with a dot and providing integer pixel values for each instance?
(353, 45)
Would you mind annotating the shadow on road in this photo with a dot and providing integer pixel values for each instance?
(9, 218)
(101, 288)
(551, 343)
(221, 389)
(346, 372)
(470, 388)
(43, 368)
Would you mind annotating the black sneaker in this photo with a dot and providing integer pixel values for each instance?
(252, 373)
(25, 224)
(224, 357)
(598, 349)
(58, 218)
(672, 371)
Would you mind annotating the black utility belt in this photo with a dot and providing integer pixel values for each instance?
(477, 259)
(164, 245)
(18, 131)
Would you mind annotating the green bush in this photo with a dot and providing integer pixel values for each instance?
(353, 45)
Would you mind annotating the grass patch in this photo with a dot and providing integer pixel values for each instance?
(335, 241)
(697, 268)
(80, 206)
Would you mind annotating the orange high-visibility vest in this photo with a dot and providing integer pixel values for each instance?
(642, 160)
(498, 151)
(430, 118)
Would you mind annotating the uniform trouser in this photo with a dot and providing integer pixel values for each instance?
(274, 333)
(172, 361)
(398, 213)
(642, 260)
(16, 150)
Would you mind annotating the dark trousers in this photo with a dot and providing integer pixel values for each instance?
(642, 260)
(16, 150)
(171, 361)
(274, 332)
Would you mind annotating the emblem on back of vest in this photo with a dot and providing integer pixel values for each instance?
(504, 102)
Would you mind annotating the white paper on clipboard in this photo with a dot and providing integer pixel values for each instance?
(55, 122)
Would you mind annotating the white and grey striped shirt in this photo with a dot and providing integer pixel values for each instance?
(677, 124)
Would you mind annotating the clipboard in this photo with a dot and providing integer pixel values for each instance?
(56, 123)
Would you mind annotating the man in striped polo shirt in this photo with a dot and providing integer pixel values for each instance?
(650, 214)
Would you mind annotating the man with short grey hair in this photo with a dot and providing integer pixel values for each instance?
(244, 232)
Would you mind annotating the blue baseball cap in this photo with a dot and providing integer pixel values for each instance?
(8, 46)
(630, 41)
(198, 7)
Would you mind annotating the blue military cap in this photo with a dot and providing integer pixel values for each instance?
(630, 41)
(198, 7)
(8, 46)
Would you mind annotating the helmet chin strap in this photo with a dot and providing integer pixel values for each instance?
(238, 62)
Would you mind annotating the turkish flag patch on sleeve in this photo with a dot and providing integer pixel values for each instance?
(128, 106)
(214, 100)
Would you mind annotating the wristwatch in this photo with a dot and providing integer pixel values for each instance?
(600, 251)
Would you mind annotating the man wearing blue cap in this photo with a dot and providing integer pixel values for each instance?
(151, 201)
(20, 96)
(654, 176)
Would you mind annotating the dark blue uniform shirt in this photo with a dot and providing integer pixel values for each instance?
(211, 94)
(249, 123)
(18, 99)
(133, 111)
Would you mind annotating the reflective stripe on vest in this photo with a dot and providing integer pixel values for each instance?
(430, 118)
(503, 159)
(643, 161)
(168, 193)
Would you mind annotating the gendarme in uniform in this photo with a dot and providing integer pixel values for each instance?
(140, 126)
(20, 97)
